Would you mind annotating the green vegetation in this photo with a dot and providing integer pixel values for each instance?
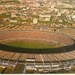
(31, 45)
(1, 69)
(15, 1)
(9, 70)
(19, 68)
(69, 8)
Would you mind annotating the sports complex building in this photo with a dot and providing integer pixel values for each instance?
(35, 60)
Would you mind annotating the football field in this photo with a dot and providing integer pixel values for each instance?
(31, 45)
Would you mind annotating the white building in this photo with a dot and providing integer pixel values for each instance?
(59, 14)
(44, 17)
(13, 21)
(47, 19)
(73, 17)
(35, 21)
(13, 15)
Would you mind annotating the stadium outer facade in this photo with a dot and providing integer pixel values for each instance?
(37, 62)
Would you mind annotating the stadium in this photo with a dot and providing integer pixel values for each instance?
(37, 36)
(15, 60)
